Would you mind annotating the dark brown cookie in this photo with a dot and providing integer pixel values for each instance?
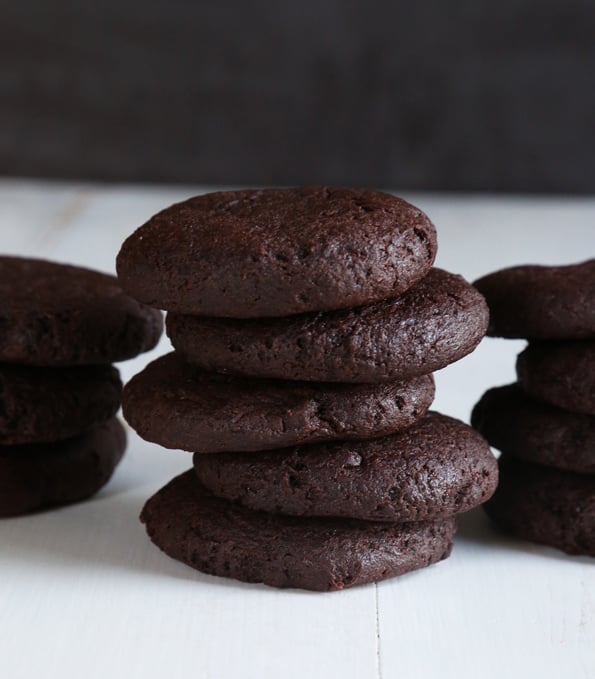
(438, 321)
(41, 405)
(277, 252)
(560, 373)
(541, 302)
(531, 430)
(55, 314)
(437, 468)
(214, 536)
(546, 506)
(180, 406)
(40, 476)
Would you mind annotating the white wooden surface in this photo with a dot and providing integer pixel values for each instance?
(83, 594)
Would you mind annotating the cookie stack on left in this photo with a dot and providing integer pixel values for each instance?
(61, 328)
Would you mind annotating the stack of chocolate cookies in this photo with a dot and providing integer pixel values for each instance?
(61, 327)
(545, 423)
(306, 325)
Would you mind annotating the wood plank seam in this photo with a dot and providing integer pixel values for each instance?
(378, 646)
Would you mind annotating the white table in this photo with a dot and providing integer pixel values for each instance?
(83, 593)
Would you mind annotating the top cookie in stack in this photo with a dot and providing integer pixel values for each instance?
(302, 317)
(277, 252)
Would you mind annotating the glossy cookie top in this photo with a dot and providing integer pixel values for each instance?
(277, 252)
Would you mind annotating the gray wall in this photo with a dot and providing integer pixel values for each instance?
(437, 94)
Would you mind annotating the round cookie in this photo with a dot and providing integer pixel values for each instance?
(40, 476)
(55, 315)
(541, 302)
(277, 252)
(524, 428)
(180, 406)
(41, 405)
(544, 505)
(214, 536)
(436, 468)
(435, 323)
(560, 373)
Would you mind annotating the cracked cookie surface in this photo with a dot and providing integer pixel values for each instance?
(214, 536)
(180, 406)
(436, 322)
(436, 468)
(277, 252)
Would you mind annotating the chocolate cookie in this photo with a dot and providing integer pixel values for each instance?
(545, 505)
(214, 536)
(438, 321)
(277, 252)
(524, 428)
(40, 476)
(560, 373)
(437, 468)
(180, 406)
(55, 314)
(41, 405)
(541, 302)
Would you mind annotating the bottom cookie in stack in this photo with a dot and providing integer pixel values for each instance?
(40, 476)
(217, 537)
(325, 516)
(545, 424)
(545, 505)
(59, 439)
(546, 492)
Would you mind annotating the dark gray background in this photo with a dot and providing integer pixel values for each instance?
(438, 94)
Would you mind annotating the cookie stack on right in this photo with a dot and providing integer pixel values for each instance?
(306, 325)
(545, 423)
